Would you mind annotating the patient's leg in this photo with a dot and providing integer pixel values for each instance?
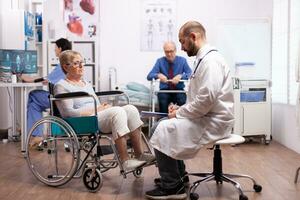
(135, 137)
(128, 164)
(122, 148)
(136, 141)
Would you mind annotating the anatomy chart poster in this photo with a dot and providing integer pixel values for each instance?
(158, 23)
(81, 17)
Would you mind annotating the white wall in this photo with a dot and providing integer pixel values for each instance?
(284, 126)
(54, 25)
(120, 31)
(119, 41)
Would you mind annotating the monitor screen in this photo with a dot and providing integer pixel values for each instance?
(18, 61)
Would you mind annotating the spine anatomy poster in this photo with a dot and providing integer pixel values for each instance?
(158, 23)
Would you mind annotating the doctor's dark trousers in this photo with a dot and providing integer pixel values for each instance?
(170, 170)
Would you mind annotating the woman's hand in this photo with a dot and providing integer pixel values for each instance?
(103, 106)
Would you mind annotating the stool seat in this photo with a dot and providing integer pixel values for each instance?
(231, 139)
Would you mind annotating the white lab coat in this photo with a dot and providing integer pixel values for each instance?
(207, 115)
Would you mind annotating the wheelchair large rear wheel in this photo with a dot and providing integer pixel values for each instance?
(52, 151)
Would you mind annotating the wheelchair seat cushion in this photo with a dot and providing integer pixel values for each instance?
(81, 125)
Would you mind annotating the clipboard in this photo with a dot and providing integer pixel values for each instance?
(145, 114)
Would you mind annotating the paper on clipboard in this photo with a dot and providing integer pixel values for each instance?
(145, 114)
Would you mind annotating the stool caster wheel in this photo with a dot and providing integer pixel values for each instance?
(257, 188)
(194, 196)
(243, 197)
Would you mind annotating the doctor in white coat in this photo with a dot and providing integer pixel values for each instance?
(205, 117)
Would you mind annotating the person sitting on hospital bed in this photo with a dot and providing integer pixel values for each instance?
(122, 121)
(170, 69)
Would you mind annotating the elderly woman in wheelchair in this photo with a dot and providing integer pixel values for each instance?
(83, 118)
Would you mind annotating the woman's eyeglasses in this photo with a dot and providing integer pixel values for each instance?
(77, 64)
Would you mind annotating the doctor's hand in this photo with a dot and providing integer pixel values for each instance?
(172, 114)
(172, 109)
(162, 78)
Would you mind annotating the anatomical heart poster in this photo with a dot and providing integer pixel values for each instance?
(81, 17)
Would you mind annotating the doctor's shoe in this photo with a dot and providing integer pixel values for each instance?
(132, 164)
(185, 180)
(161, 193)
(149, 158)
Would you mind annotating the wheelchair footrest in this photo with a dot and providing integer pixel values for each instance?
(106, 149)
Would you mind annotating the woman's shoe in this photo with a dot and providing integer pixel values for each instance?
(132, 164)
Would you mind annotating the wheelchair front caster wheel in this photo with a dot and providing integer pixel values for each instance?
(92, 179)
(138, 173)
(257, 188)
(243, 197)
(194, 196)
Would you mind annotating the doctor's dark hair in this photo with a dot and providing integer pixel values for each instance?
(67, 57)
(64, 44)
(193, 26)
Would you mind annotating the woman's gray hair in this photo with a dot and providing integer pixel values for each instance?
(67, 57)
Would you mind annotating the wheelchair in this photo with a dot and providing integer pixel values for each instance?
(75, 147)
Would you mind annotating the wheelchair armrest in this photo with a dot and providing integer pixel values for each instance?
(108, 93)
(113, 94)
(71, 94)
